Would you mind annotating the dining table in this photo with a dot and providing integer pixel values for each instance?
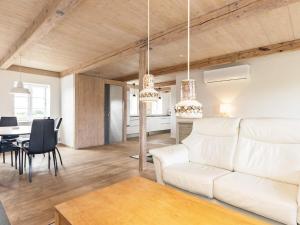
(16, 130)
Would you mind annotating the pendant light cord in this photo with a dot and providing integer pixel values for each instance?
(188, 44)
(148, 45)
(20, 58)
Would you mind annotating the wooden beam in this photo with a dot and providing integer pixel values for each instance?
(125, 113)
(236, 10)
(24, 69)
(223, 59)
(105, 59)
(142, 113)
(113, 82)
(165, 84)
(156, 85)
(127, 77)
(51, 14)
(165, 89)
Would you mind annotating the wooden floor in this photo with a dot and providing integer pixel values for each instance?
(83, 171)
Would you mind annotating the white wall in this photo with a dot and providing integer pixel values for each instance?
(166, 102)
(68, 110)
(273, 91)
(7, 81)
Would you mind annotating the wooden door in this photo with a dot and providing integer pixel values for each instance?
(89, 114)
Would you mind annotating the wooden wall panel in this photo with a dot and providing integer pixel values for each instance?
(89, 114)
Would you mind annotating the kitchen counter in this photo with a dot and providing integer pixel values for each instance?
(154, 123)
(152, 116)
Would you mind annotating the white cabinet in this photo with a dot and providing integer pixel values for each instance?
(133, 125)
(154, 123)
(158, 123)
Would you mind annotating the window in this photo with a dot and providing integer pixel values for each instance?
(157, 107)
(133, 102)
(33, 106)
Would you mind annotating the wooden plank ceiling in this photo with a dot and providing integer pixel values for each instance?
(15, 18)
(95, 29)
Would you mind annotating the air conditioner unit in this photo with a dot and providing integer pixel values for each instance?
(234, 73)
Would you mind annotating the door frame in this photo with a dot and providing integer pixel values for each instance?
(124, 102)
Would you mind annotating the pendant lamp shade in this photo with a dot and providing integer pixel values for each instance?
(19, 89)
(148, 94)
(188, 107)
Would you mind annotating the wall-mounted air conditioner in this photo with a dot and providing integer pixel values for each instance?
(234, 73)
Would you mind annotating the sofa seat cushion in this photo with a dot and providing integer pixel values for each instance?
(262, 196)
(193, 177)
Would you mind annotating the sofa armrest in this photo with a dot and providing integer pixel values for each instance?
(171, 154)
(166, 156)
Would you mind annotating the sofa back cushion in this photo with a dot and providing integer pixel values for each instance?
(269, 148)
(213, 142)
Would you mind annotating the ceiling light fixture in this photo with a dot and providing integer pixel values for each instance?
(134, 95)
(148, 94)
(188, 107)
(19, 88)
(159, 92)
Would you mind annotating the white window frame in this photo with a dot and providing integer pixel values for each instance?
(29, 99)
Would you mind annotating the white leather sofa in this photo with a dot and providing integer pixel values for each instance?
(253, 164)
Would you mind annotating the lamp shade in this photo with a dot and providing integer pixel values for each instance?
(188, 107)
(19, 89)
(148, 94)
(225, 109)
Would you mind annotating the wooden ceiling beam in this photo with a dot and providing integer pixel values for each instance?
(164, 84)
(223, 59)
(23, 69)
(51, 14)
(236, 10)
(105, 59)
(165, 89)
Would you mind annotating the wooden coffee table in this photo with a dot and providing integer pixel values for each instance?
(138, 201)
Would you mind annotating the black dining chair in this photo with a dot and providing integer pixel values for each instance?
(9, 122)
(12, 148)
(8, 139)
(57, 126)
(42, 140)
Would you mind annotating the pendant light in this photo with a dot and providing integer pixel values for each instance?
(188, 107)
(134, 95)
(148, 94)
(19, 88)
(159, 93)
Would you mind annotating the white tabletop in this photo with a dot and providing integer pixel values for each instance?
(19, 130)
